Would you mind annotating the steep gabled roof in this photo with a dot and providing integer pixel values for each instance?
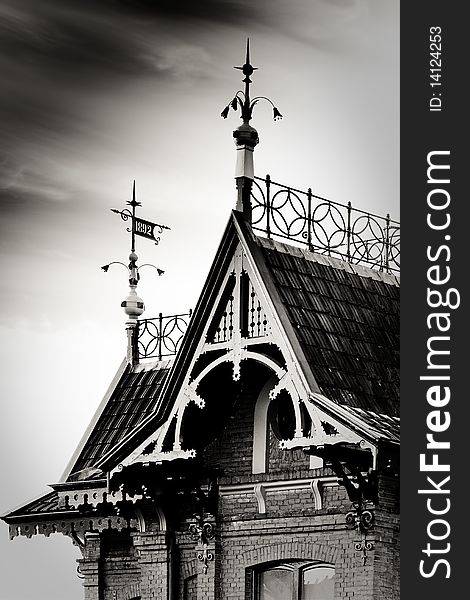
(341, 320)
(346, 319)
(186, 351)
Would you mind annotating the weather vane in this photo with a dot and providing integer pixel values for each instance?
(133, 305)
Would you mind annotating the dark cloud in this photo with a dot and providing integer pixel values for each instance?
(53, 48)
(218, 11)
(105, 36)
(55, 53)
(70, 44)
(113, 36)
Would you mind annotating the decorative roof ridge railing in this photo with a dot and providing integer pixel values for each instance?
(160, 337)
(325, 226)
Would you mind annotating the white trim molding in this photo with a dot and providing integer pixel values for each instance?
(263, 489)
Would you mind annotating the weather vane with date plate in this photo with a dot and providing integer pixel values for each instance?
(132, 304)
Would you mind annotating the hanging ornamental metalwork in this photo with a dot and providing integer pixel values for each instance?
(162, 336)
(201, 532)
(362, 519)
(325, 226)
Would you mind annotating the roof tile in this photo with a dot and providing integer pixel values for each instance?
(347, 325)
(136, 395)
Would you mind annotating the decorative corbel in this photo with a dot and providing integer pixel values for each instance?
(350, 462)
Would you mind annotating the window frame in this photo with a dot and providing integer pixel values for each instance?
(296, 566)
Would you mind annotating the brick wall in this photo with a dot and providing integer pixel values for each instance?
(387, 553)
(91, 567)
(290, 527)
(249, 545)
(120, 568)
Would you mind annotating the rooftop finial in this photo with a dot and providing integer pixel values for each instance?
(247, 70)
(242, 99)
(132, 304)
(246, 136)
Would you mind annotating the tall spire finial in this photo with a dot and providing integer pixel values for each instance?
(133, 305)
(246, 136)
(247, 70)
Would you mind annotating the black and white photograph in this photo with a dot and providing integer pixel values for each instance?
(200, 300)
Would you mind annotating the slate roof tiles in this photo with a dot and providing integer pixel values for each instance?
(136, 395)
(346, 323)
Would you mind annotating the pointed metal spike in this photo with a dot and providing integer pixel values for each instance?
(247, 51)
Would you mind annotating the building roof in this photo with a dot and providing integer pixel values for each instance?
(136, 396)
(46, 504)
(342, 319)
(346, 320)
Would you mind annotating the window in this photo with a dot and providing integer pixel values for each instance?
(295, 581)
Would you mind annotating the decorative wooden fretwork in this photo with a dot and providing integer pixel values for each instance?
(256, 319)
(223, 323)
(240, 315)
(73, 498)
(224, 330)
(78, 525)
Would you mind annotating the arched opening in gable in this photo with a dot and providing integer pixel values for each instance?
(274, 421)
(201, 426)
(221, 423)
(222, 431)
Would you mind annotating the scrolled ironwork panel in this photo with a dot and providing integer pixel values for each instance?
(162, 336)
(368, 240)
(329, 229)
(394, 248)
(289, 214)
(260, 206)
(149, 336)
(325, 226)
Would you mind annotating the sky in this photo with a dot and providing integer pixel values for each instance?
(97, 94)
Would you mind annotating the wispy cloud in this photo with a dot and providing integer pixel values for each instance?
(25, 183)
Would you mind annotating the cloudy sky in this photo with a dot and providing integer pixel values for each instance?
(96, 94)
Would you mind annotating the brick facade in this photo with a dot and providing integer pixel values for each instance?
(261, 519)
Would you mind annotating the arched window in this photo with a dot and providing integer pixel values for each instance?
(294, 581)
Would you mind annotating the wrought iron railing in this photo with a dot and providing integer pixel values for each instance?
(324, 226)
(161, 337)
